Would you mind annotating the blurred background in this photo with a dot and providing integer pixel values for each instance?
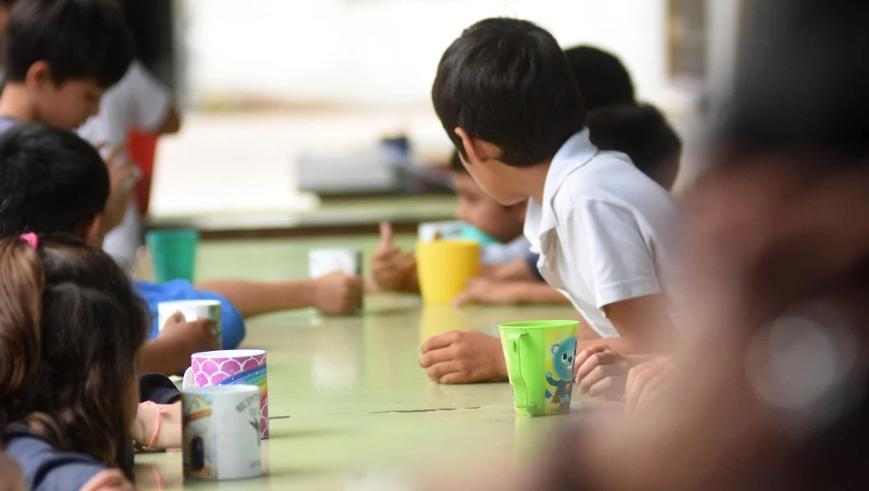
(285, 102)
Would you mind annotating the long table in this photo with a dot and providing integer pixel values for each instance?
(347, 398)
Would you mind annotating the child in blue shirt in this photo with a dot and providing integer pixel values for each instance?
(52, 181)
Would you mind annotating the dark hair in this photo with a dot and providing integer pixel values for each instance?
(8, 4)
(71, 327)
(506, 81)
(816, 100)
(51, 181)
(642, 132)
(79, 39)
(602, 78)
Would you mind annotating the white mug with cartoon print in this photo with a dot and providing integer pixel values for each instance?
(221, 436)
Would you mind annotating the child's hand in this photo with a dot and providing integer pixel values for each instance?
(12, 479)
(392, 269)
(194, 336)
(108, 480)
(462, 357)
(601, 372)
(338, 293)
(122, 176)
(644, 382)
(487, 291)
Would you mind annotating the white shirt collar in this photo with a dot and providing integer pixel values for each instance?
(575, 153)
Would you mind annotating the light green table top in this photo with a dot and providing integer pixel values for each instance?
(346, 395)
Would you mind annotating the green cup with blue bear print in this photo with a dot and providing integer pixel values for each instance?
(540, 357)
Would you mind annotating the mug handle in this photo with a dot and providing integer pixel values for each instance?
(188, 381)
(520, 389)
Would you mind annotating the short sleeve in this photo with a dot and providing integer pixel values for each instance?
(615, 261)
(46, 469)
(149, 99)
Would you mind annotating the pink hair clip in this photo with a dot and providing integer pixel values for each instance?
(31, 239)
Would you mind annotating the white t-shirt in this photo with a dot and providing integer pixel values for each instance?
(139, 101)
(605, 231)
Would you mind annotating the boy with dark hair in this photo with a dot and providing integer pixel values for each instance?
(52, 181)
(642, 132)
(602, 78)
(508, 99)
(60, 56)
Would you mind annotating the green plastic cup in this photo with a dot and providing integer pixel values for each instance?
(173, 253)
(540, 357)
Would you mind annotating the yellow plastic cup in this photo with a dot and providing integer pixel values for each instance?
(444, 268)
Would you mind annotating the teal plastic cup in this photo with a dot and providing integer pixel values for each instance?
(173, 253)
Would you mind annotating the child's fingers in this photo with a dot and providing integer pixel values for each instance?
(113, 154)
(584, 355)
(440, 341)
(645, 371)
(608, 388)
(386, 234)
(437, 372)
(593, 360)
(597, 375)
(436, 356)
(638, 378)
(456, 377)
(648, 394)
(470, 295)
(407, 261)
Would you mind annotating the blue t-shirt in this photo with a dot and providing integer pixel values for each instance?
(230, 318)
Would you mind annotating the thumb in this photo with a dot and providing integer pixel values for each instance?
(385, 234)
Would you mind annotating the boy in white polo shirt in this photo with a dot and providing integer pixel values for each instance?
(508, 100)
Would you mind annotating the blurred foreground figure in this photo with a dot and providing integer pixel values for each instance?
(770, 391)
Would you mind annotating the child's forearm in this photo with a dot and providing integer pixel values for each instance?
(162, 356)
(168, 435)
(256, 298)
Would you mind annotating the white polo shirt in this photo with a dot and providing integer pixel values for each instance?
(605, 231)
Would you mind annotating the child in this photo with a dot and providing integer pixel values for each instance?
(138, 102)
(507, 98)
(72, 331)
(52, 181)
(638, 130)
(601, 76)
(782, 229)
(60, 56)
(396, 271)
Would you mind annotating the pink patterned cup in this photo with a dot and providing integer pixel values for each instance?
(232, 367)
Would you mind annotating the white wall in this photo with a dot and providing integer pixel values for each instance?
(385, 52)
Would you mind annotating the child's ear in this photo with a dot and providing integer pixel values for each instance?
(38, 74)
(469, 147)
(93, 233)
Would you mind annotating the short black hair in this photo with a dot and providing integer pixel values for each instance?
(456, 162)
(817, 100)
(79, 39)
(602, 78)
(51, 181)
(506, 81)
(8, 4)
(641, 132)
